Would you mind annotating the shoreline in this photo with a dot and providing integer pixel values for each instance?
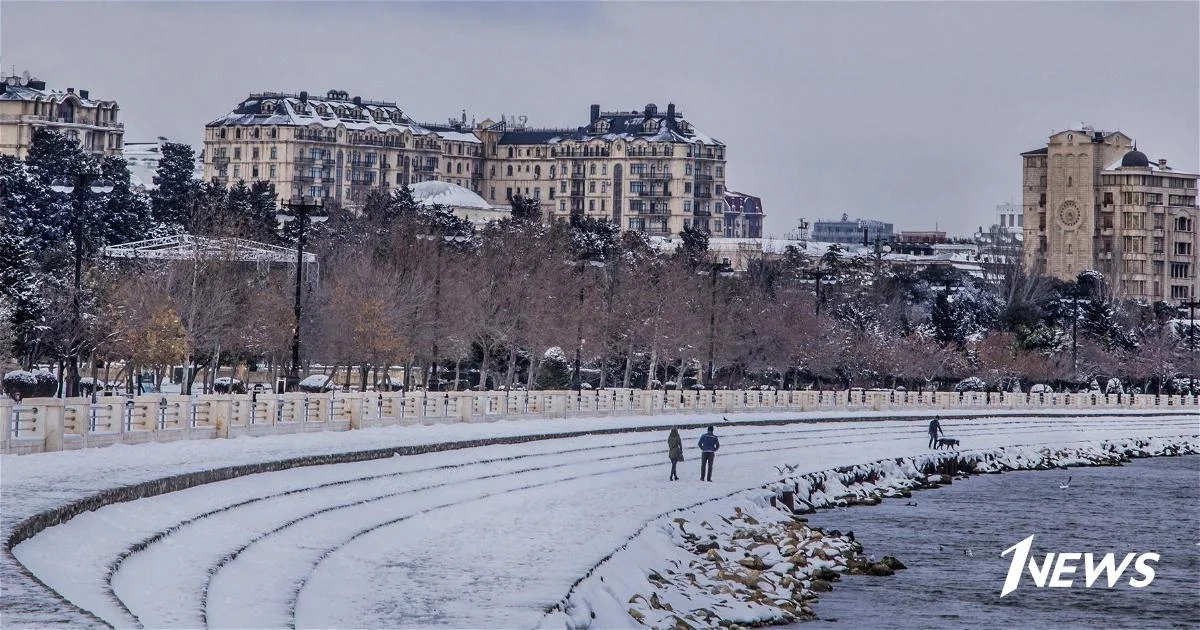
(762, 564)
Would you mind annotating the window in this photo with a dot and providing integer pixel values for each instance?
(1183, 249)
(509, 170)
(687, 187)
(552, 171)
(604, 169)
(1179, 292)
(254, 153)
(537, 172)
(274, 153)
(254, 172)
(237, 153)
(537, 193)
(719, 189)
(687, 169)
(1183, 224)
(687, 205)
(237, 170)
(592, 170)
(1108, 199)
(562, 206)
(508, 193)
(718, 207)
(562, 187)
(1180, 270)
(273, 172)
(592, 205)
(458, 168)
(637, 224)
(592, 186)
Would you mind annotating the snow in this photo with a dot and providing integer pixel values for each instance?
(472, 538)
(446, 194)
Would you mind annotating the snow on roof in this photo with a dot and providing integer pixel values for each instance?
(458, 136)
(1154, 168)
(447, 194)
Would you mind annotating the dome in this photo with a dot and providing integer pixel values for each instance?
(1135, 158)
(447, 194)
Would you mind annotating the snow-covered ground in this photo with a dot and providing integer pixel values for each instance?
(479, 537)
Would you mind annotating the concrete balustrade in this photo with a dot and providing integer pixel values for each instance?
(54, 424)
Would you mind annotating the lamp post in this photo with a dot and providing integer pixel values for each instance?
(301, 212)
(1191, 307)
(80, 184)
(723, 269)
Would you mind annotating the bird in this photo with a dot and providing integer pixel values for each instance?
(1064, 486)
(778, 469)
(725, 419)
(791, 468)
(968, 552)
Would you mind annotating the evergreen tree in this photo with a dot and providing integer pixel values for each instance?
(261, 217)
(53, 155)
(695, 244)
(174, 198)
(594, 239)
(944, 319)
(126, 212)
(526, 209)
(19, 291)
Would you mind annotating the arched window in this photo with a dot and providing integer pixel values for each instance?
(537, 172)
(552, 172)
(510, 170)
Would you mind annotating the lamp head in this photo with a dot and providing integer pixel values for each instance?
(62, 186)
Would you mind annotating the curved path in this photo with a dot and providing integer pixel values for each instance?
(479, 537)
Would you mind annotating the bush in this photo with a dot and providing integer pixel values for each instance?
(227, 385)
(316, 384)
(47, 384)
(971, 384)
(19, 384)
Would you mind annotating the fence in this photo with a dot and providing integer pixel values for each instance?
(54, 424)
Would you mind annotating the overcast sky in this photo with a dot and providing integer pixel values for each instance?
(909, 112)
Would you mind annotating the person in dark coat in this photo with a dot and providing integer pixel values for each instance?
(708, 452)
(935, 429)
(674, 451)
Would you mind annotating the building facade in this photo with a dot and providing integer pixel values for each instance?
(644, 170)
(1011, 218)
(743, 215)
(1092, 201)
(26, 104)
(849, 232)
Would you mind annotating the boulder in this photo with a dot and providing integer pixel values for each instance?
(821, 586)
(892, 563)
(880, 569)
(826, 575)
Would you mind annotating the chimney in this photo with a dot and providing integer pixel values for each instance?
(304, 97)
(83, 93)
(70, 90)
(671, 111)
(1162, 163)
(595, 112)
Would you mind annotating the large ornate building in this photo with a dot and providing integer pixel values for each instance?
(1093, 201)
(26, 104)
(646, 170)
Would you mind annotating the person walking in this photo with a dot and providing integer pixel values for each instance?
(709, 444)
(935, 429)
(674, 451)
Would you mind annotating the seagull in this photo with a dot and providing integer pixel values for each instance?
(1064, 486)
(791, 468)
(778, 468)
(968, 552)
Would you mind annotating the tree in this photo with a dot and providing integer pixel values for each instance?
(695, 245)
(126, 215)
(526, 209)
(173, 199)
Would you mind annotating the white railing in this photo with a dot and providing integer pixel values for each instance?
(53, 424)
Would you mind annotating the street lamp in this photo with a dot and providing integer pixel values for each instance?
(80, 184)
(301, 211)
(1191, 307)
(725, 270)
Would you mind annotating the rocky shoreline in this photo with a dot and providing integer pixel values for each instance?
(752, 559)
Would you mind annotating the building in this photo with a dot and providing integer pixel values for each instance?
(644, 170)
(921, 236)
(743, 215)
(143, 158)
(461, 201)
(336, 147)
(849, 232)
(1093, 201)
(26, 104)
(1011, 219)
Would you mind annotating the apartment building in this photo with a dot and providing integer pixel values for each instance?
(1093, 201)
(849, 232)
(336, 147)
(644, 170)
(26, 104)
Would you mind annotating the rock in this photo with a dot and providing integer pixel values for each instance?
(752, 562)
(820, 586)
(826, 575)
(892, 563)
(705, 547)
(880, 569)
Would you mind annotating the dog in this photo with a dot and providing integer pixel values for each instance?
(946, 442)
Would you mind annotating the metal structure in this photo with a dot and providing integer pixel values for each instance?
(189, 247)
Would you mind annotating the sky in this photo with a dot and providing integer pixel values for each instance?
(910, 112)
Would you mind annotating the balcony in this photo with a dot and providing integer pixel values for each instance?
(655, 175)
(425, 168)
(578, 175)
(220, 160)
(702, 177)
(703, 194)
(653, 193)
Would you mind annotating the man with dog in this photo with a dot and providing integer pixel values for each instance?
(935, 429)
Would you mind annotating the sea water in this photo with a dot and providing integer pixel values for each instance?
(951, 541)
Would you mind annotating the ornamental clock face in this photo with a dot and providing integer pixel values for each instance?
(1068, 214)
